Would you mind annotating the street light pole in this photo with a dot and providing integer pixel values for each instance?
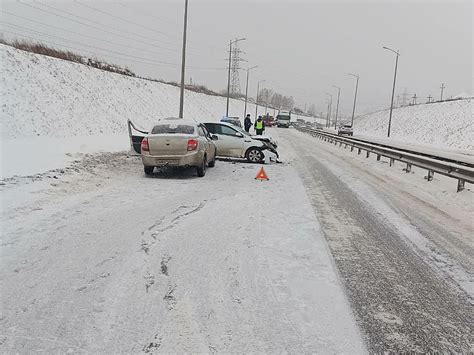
(247, 89)
(328, 116)
(393, 88)
(256, 100)
(228, 73)
(183, 61)
(337, 106)
(355, 98)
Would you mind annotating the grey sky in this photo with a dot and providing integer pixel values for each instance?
(302, 48)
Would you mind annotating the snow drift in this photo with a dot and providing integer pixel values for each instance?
(446, 124)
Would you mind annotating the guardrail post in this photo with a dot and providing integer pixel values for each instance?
(460, 185)
(352, 148)
(368, 154)
(340, 144)
(430, 175)
(378, 157)
(408, 168)
(392, 161)
(359, 151)
(335, 142)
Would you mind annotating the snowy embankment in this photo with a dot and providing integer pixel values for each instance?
(443, 125)
(44, 97)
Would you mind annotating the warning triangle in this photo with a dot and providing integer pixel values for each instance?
(262, 175)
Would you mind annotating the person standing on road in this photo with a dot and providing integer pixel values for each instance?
(247, 123)
(259, 126)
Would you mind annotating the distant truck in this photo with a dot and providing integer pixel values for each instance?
(283, 119)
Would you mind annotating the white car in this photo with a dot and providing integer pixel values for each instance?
(234, 142)
(345, 129)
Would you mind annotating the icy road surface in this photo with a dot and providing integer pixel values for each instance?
(98, 258)
(404, 247)
(335, 254)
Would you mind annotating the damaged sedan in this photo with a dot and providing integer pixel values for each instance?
(234, 142)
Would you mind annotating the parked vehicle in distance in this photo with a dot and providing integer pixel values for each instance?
(283, 119)
(234, 142)
(268, 120)
(178, 142)
(345, 129)
(232, 120)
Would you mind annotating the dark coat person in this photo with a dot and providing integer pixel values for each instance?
(247, 123)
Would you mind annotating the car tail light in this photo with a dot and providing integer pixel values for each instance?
(145, 147)
(192, 144)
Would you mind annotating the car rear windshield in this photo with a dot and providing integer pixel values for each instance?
(172, 128)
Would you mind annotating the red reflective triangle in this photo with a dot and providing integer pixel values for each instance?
(262, 175)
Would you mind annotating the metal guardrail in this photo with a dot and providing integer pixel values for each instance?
(462, 171)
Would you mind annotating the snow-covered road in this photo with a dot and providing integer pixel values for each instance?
(404, 247)
(101, 259)
(335, 254)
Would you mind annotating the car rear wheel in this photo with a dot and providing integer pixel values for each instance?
(148, 169)
(213, 162)
(201, 170)
(254, 155)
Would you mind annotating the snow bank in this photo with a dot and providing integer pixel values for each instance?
(445, 125)
(44, 96)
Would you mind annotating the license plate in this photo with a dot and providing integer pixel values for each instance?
(164, 162)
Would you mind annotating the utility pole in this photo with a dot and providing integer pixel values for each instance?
(256, 100)
(247, 89)
(228, 73)
(442, 89)
(429, 98)
(328, 116)
(183, 61)
(414, 99)
(337, 106)
(393, 89)
(355, 98)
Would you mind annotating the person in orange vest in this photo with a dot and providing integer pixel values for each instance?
(259, 126)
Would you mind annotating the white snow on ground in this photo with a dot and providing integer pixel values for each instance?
(107, 260)
(445, 125)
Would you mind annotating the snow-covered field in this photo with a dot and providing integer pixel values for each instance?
(445, 125)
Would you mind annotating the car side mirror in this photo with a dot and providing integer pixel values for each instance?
(240, 135)
(214, 137)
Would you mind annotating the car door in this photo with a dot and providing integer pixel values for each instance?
(210, 147)
(203, 140)
(229, 142)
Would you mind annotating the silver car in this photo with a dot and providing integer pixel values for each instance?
(178, 142)
(234, 142)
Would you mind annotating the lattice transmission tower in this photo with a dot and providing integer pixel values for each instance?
(234, 69)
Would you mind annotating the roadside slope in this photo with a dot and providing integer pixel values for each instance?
(44, 96)
(444, 124)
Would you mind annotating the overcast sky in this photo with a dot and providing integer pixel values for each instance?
(302, 48)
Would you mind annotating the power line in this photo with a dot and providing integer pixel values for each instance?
(148, 15)
(94, 47)
(97, 28)
(80, 34)
(151, 61)
(83, 50)
(171, 21)
(122, 19)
